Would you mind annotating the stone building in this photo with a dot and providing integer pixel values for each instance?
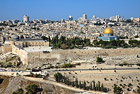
(29, 50)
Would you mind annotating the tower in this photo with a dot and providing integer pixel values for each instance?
(25, 18)
(84, 16)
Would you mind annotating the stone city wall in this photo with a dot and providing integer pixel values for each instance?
(21, 53)
(42, 58)
(99, 52)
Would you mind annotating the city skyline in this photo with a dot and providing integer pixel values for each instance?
(56, 10)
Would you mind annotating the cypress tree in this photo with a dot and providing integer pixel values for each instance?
(80, 84)
(99, 88)
(76, 83)
(84, 85)
(94, 88)
(90, 87)
(102, 87)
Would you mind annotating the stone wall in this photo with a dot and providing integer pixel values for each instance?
(21, 53)
(39, 58)
(99, 52)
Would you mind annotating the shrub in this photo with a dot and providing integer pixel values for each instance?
(19, 91)
(33, 89)
(99, 59)
(117, 89)
(58, 77)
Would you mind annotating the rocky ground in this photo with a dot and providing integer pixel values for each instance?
(11, 84)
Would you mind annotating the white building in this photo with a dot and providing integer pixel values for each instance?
(25, 18)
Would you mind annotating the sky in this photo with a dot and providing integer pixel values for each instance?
(58, 9)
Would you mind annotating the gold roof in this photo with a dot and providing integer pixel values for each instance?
(108, 31)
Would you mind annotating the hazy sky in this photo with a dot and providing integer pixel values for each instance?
(58, 9)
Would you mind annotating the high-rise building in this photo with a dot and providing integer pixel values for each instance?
(84, 16)
(25, 18)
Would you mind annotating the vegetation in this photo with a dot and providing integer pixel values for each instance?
(19, 91)
(44, 38)
(58, 77)
(116, 43)
(128, 21)
(66, 65)
(33, 89)
(69, 43)
(30, 89)
(110, 44)
(80, 84)
(69, 65)
(13, 62)
(1, 80)
(117, 89)
(134, 43)
(99, 60)
(35, 75)
(138, 90)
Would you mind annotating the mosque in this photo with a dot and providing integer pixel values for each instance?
(108, 35)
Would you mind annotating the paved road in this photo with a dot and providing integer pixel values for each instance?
(59, 70)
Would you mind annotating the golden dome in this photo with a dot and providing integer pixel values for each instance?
(108, 31)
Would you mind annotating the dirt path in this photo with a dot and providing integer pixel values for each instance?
(61, 85)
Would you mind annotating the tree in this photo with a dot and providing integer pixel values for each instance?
(44, 38)
(58, 77)
(84, 85)
(80, 84)
(99, 60)
(117, 89)
(62, 39)
(138, 90)
(49, 39)
(90, 87)
(76, 83)
(99, 88)
(94, 87)
(55, 40)
(19, 91)
(33, 89)
(128, 21)
(102, 87)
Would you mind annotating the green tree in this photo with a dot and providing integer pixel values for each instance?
(55, 40)
(76, 83)
(102, 87)
(99, 59)
(90, 86)
(84, 85)
(94, 87)
(117, 89)
(58, 77)
(19, 91)
(80, 84)
(44, 38)
(138, 90)
(33, 89)
(62, 39)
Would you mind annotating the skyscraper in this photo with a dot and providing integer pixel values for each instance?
(25, 18)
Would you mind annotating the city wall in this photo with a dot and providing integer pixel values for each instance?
(39, 58)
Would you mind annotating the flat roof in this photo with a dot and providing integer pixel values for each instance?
(30, 40)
